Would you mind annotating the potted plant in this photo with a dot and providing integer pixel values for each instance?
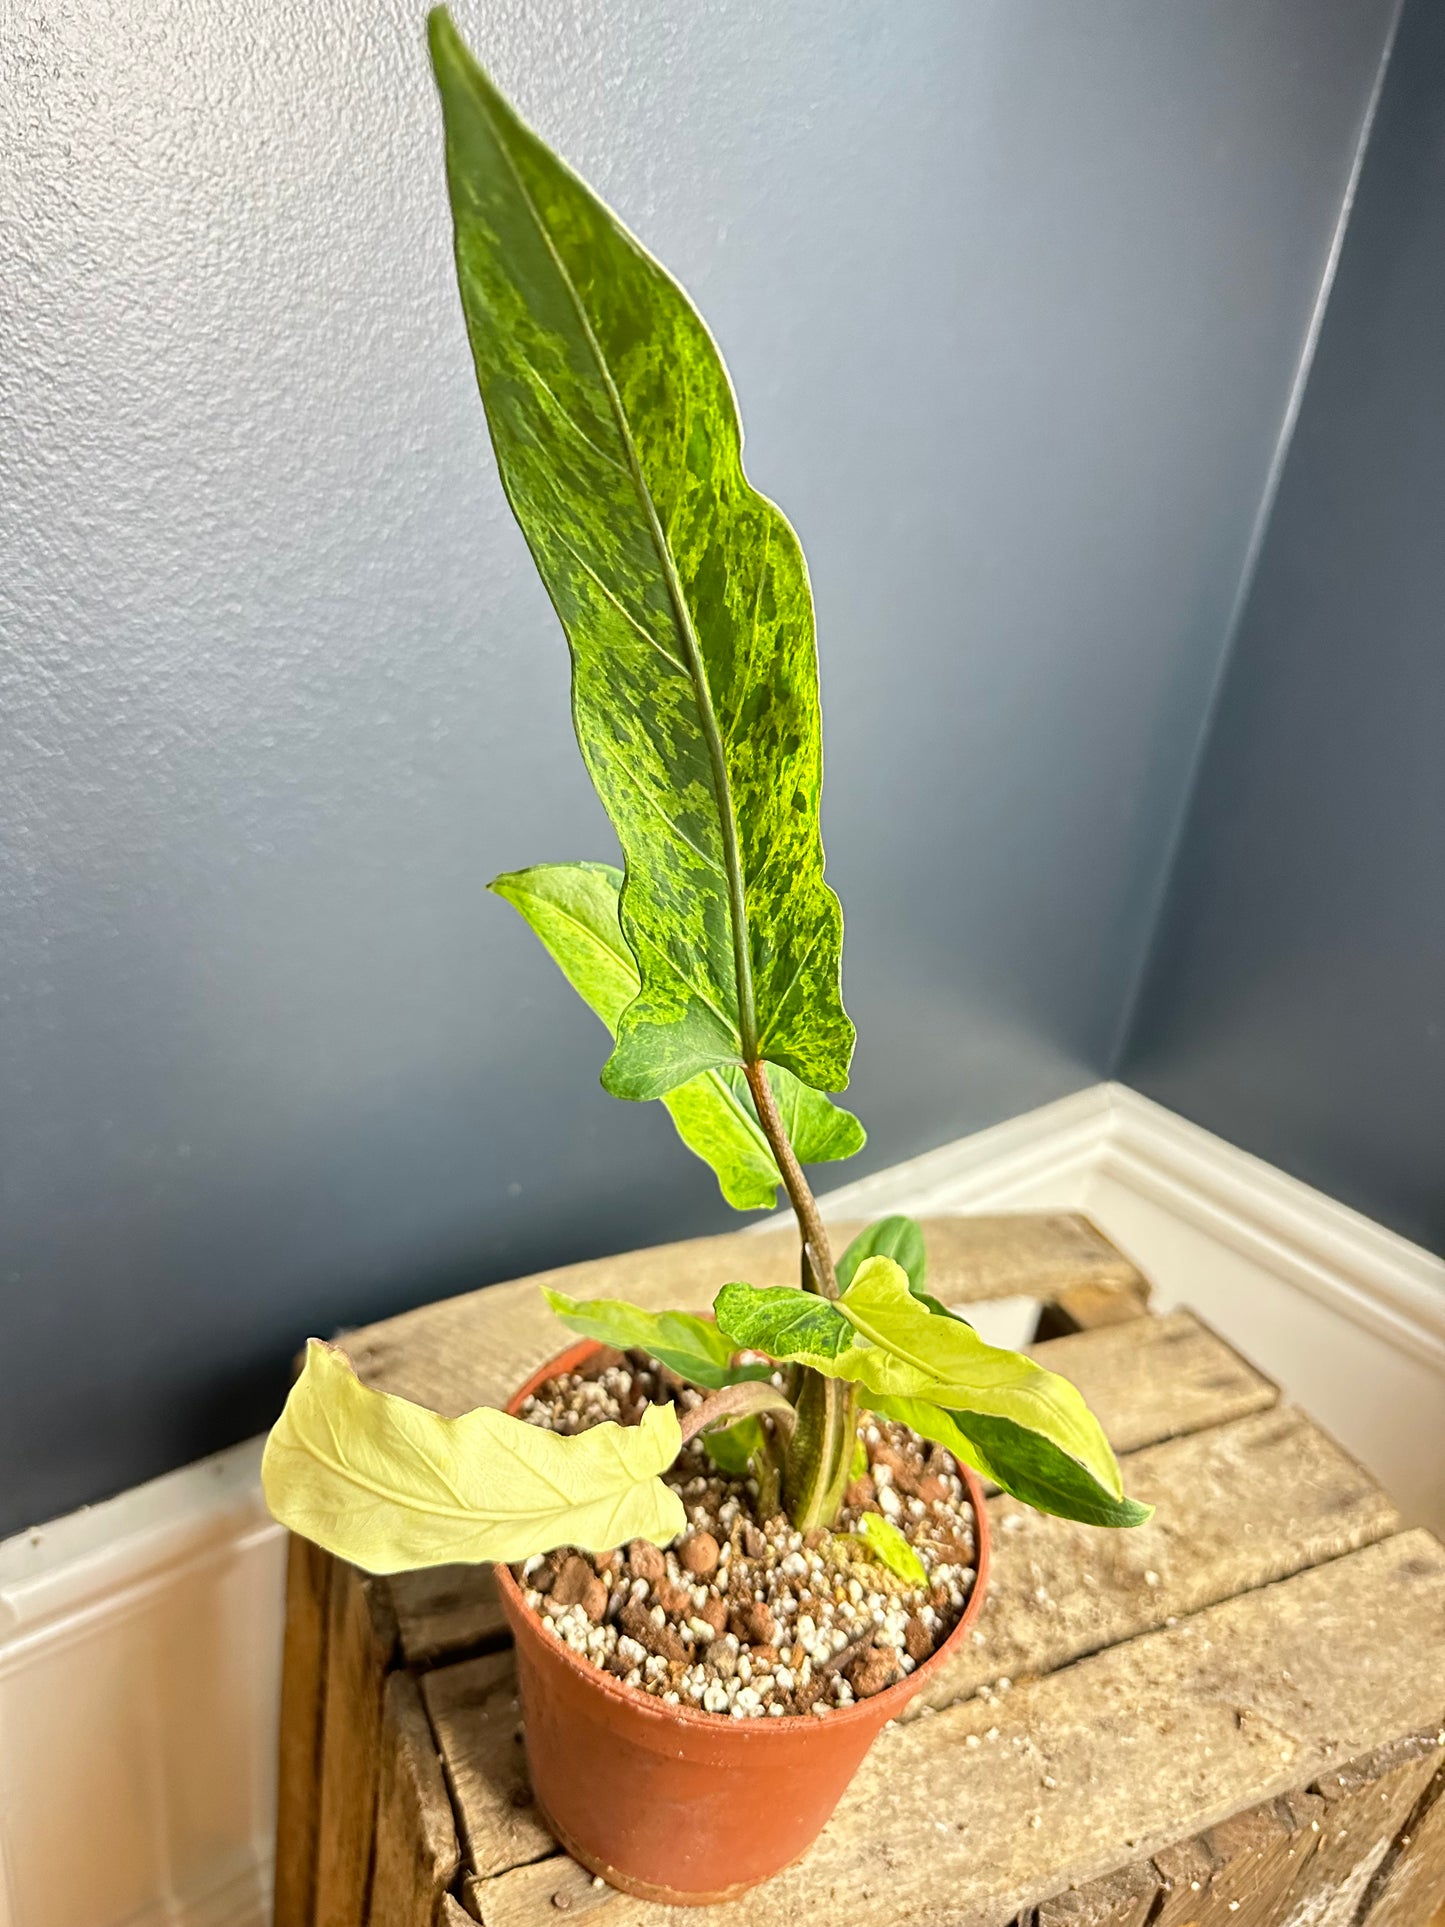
(730, 1549)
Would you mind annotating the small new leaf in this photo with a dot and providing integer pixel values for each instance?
(731, 1449)
(881, 1538)
(898, 1238)
(694, 1348)
(573, 909)
(390, 1486)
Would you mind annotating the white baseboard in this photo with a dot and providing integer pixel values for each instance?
(140, 1639)
(139, 1678)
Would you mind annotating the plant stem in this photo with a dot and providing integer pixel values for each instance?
(815, 1465)
(816, 1250)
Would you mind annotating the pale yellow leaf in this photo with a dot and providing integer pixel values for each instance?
(390, 1485)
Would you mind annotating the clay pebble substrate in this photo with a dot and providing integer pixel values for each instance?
(746, 1618)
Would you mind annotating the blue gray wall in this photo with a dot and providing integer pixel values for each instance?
(1296, 998)
(1014, 295)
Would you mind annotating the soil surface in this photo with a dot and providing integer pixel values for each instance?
(743, 1617)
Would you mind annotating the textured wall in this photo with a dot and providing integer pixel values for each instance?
(1296, 1002)
(1013, 293)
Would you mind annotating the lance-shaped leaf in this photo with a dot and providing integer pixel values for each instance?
(899, 1349)
(391, 1486)
(692, 1347)
(683, 595)
(573, 908)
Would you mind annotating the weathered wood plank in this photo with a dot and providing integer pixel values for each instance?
(1123, 1752)
(1084, 1307)
(360, 1647)
(1239, 1505)
(1367, 1804)
(1408, 1887)
(476, 1349)
(1120, 1899)
(1158, 1378)
(445, 1612)
(417, 1855)
(477, 1721)
(1236, 1874)
(303, 1700)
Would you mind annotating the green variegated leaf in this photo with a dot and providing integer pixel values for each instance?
(572, 907)
(881, 1337)
(694, 1348)
(785, 1323)
(882, 1539)
(683, 595)
(390, 1486)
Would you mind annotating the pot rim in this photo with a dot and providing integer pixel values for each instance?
(889, 1702)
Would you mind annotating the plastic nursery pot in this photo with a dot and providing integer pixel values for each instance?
(671, 1803)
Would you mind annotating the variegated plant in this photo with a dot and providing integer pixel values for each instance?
(712, 956)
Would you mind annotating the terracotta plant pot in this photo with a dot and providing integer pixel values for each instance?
(671, 1803)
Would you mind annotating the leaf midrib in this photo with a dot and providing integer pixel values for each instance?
(702, 693)
(398, 1495)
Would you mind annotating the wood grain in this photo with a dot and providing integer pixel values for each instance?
(1239, 1871)
(446, 1611)
(1407, 1889)
(1158, 1378)
(1166, 1736)
(1367, 1805)
(303, 1700)
(416, 1855)
(360, 1646)
(477, 1721)
(1121, 1899)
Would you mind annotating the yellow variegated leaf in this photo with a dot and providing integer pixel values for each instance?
(390, 1486)
(1022, 1426)
(942, 1359)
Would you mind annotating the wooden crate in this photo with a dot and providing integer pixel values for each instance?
(1232, 1716)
